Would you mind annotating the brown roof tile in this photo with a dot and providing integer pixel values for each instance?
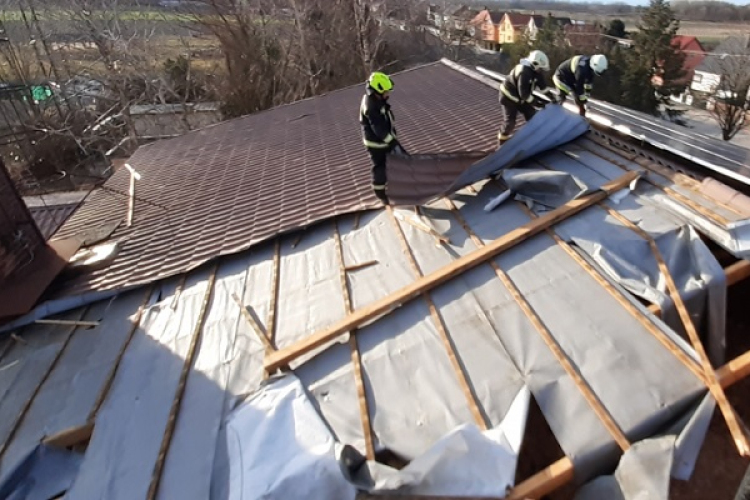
(224, 188)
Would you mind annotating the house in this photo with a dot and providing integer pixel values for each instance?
(514, 26)
(584, 38)
(486, 25)
(694, 55)
(265, 329)
(731, 58)
(537, 22)
(456, 17)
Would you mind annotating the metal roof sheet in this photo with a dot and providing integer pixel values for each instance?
(222, 189)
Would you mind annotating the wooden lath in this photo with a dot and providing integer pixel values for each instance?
(619, 295)
(30, 401)
(731, 418)
(437, 320)
(588, 394)
(404, 295)
(562, 471)
(134, 324)
(174, 411)
(364, 409)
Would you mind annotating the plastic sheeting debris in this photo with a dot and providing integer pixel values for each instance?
(643, 474)
(466, 462)
(279, 447)
(548, 188)
(45, 473)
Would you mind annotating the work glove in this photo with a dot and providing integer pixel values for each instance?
(581, 107)
(551, 96)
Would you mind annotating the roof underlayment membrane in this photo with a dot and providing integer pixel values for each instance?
(237, 435)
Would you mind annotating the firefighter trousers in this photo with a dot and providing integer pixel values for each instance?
(379, 178)
(510, 114)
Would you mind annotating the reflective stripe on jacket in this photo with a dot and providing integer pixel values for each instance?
(376, 118)
(520, 84)
(575, 76)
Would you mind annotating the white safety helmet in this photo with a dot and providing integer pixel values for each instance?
(538, 60)
(598, 63)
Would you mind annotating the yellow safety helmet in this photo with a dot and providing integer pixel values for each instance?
(380, 82)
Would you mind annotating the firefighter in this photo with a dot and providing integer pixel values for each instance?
(517, 92)
(378, 130)
(575, 76)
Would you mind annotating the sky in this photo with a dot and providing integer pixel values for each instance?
(645, 2)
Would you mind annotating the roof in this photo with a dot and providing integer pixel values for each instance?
(168, 368)
(517, 19)
(216, 191)
(694, 53)
(496, 16)
(49, 218)
(685, 42)
(737, 45)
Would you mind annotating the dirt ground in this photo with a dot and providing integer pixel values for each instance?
(719, 469)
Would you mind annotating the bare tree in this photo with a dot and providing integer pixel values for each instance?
(731, 96)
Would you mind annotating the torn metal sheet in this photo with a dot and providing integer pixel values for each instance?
(550, 127)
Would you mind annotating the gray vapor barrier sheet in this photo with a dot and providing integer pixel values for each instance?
(620, 360)
(643, 474)
(279, 447)
(627, 258)
(45, 473)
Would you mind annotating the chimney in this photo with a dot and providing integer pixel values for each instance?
(28, 263)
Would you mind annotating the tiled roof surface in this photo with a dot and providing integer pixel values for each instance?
(49, 218)
(224, 188)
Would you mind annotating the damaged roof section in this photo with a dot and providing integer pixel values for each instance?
(171, 375)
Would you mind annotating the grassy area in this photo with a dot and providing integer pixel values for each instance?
(126, 15)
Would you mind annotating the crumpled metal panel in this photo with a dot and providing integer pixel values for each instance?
(548, 129)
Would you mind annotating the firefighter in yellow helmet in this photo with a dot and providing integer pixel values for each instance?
(379, 130)
(517, 92)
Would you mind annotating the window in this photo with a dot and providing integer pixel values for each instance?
(697, 78)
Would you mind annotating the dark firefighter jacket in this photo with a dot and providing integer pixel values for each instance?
(376, 118)
(576, 77)
(520, 84)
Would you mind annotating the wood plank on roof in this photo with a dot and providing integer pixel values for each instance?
(415, 289)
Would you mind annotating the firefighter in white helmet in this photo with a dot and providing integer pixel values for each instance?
(576, 75)
(517, 92)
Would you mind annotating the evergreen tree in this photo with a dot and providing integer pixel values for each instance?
(654, 66)
(616, 28)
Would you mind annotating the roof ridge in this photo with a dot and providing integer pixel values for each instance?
(470, 73)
